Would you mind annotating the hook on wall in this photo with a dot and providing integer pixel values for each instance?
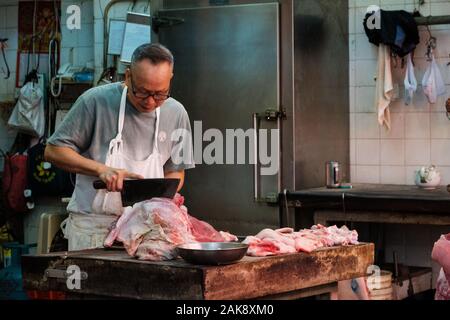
(431, 44)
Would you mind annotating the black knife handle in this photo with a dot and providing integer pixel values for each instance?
(99, 184)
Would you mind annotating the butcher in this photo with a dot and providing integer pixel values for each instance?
(119, 131)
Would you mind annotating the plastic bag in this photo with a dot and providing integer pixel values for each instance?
(28, 115)
(45, 178)
(410, 81)
(433, 85)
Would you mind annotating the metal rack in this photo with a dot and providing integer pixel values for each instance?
(430, 20)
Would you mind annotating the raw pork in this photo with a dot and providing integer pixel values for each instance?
(272, 242)
(150, 230)
(441, 254)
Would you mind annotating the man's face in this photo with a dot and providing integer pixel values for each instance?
(145, 78)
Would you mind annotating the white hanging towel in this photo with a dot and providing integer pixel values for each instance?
(410, 81)
(384, 87)
(432, 83)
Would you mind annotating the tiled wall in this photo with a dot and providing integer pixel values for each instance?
(77, 46)
(8, 29)
(118, 11)
(420, 133)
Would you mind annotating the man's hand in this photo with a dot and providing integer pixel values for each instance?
(176, 175)
(114, 178)
(68, 160)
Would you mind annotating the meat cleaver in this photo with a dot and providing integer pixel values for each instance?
(134, 191)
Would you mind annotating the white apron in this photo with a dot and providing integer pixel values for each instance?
(87, 231)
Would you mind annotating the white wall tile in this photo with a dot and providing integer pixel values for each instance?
(445, 174)
(12, 17)
(353, 174)
(352, 99)
(410, 173)
(392, 175)
(364, 49)
(352, 73)
(439, 106)
(11, 57)
(69, 37)
(366, 3)
(2, 18)
(351, 21)
(367, 174)
(438, 9)
(417, 152)
(365, 99)
(98, 55)
(11, 83)
(86, 35)
(352, 126)
(442, 45)
(368, 152)
(98, 31)
(440, 151)
(352, 152)
(352, 47)
(82, 55)
(391, 2)
(3, 85)
(365, 72)
(421, 49)
(12, 35)
(417, 125)
(366, 126)
(397, 106)
(392, 152)
(87, 11)
(67, 55)
(397, 130)
(440, 126)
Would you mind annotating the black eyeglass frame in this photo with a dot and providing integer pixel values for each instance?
(158, 97)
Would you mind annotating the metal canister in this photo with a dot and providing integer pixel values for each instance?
(333, 174)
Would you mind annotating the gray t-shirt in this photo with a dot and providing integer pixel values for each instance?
(91, 124)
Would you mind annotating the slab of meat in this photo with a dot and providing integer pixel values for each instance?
(272, 242)
(150, 230)
(441, 254)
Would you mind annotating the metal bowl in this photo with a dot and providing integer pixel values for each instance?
(212, 253)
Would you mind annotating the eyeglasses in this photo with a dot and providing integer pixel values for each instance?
(157, 96)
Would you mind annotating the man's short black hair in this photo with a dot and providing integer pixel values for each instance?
(155, 52)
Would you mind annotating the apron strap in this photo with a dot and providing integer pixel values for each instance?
(123, 102)
(155, 143)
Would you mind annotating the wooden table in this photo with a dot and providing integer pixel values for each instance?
(113, 274)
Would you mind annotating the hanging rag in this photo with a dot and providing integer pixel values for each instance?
(432, 82)
(397, 29)
(384, 88)
(410, 80)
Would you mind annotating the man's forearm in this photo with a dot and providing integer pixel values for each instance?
(68, 160)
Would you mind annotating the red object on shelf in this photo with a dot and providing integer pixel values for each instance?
(46, 295)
